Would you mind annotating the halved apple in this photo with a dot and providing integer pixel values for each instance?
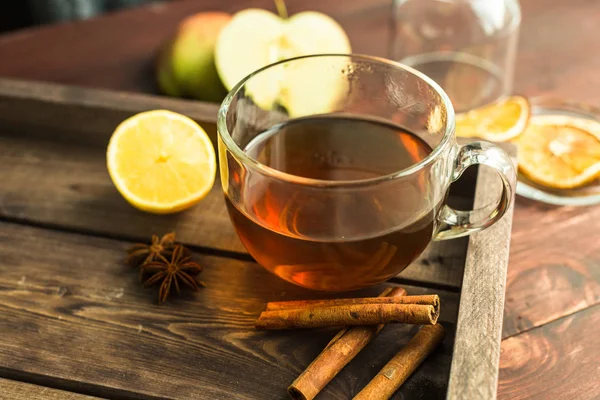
(255, 38)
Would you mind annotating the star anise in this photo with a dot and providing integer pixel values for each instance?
(142, 253)
(179, 270)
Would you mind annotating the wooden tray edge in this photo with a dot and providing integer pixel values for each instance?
(476, 354)
(42, 104)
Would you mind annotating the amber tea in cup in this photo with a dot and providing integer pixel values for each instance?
(340, 186)
(288, 226)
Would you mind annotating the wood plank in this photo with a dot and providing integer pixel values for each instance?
(66, 185)
(67, 301)
(554, 264)
(440, 266)
(479, 326)
(11, 390)
(560, 360)
(81, 115)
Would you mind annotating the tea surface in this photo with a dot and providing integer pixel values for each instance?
(333, 239)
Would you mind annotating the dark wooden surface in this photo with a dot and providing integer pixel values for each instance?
(87, 325)
(56, 188)
(553, 285)
(11, 390)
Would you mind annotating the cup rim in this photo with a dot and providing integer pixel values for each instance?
(263, 169)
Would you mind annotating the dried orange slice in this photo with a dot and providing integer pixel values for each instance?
(559, 151)
(497, 122)
(161, 161)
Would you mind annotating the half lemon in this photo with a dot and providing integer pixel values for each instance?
(161, 162)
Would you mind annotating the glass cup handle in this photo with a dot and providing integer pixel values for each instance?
(456, 223)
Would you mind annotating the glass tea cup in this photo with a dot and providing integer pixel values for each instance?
(336, 169)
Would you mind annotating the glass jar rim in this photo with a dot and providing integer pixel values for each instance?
(263, 169)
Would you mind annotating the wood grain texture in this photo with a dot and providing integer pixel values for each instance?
(560, 360)
(13, 390)
(81, 321)
(557, 56)
(89, 116)
(40, 181)
(474, 375)
(66, 184)
(554, 251)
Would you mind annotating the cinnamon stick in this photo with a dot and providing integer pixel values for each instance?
(432, 299)
(348, 315)
(339, 352)
(403, 364)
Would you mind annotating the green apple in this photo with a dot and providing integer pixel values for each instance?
(255, 38)
(186, 66)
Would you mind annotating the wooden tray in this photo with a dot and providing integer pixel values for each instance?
(74, 318)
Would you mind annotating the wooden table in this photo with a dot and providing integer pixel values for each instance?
(551, 346)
